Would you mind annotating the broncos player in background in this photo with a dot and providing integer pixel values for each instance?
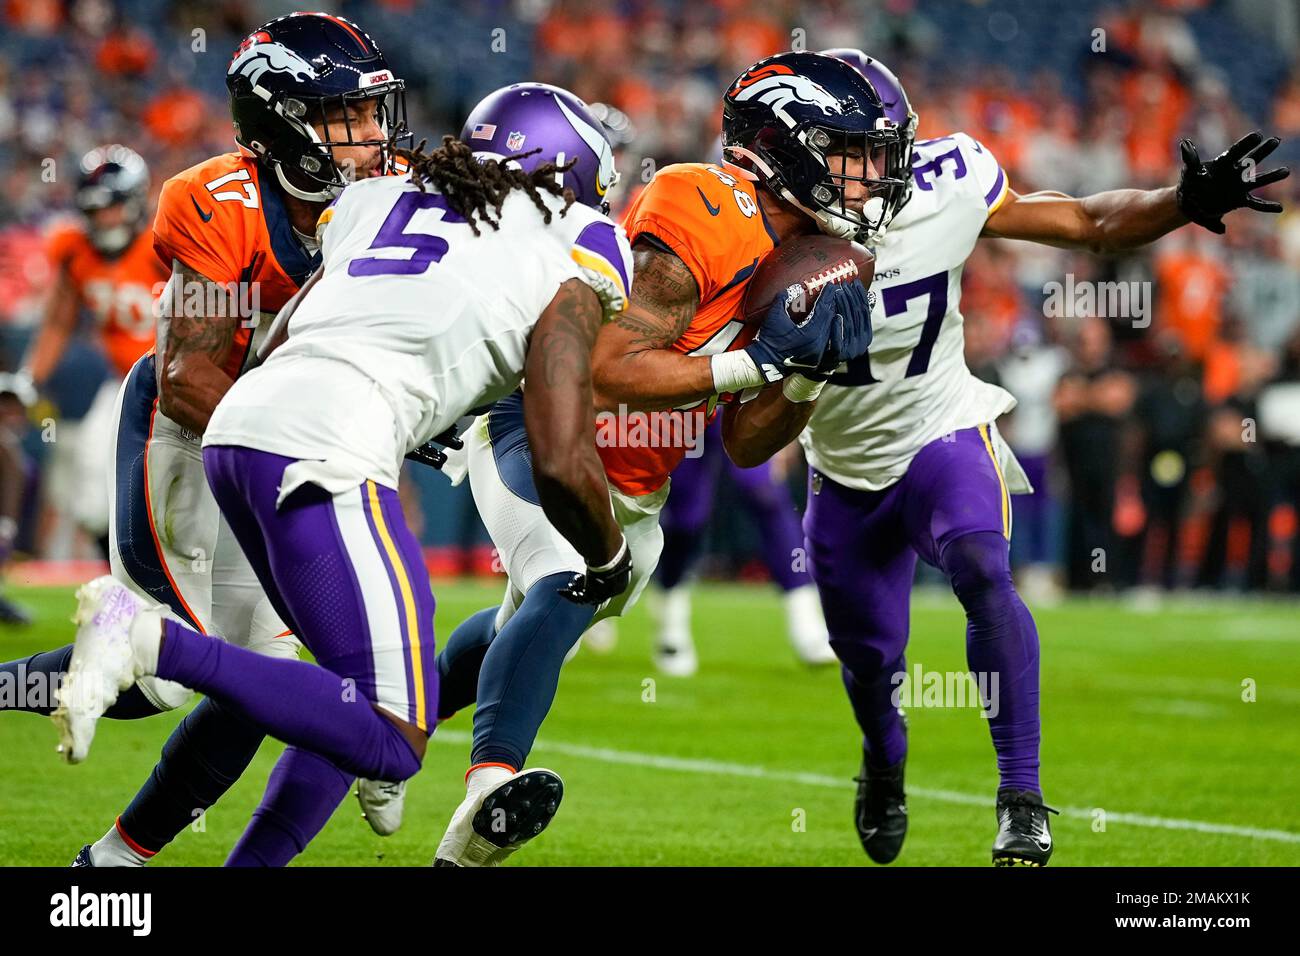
(106, 265)
(905, 458)
(16, 396)
(315, 105)
(698, 231)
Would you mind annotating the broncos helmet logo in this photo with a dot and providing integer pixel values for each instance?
(254, 60)
(778, 86)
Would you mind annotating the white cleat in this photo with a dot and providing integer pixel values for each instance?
(674, 650)
(813, 649)
(382, 804)
(498, 816)
(601, 637)
(807, 627)
(674, 655)
(104, 662)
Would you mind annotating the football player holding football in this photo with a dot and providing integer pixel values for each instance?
(698, 232)
(904, 453)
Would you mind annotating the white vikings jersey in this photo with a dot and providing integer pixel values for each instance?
(414, 321)
(913, 386)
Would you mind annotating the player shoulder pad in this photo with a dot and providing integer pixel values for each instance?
(325, 218)
(602, 251)
(355, 196)
(208, 215)
(965, 162)
(705, 215)
(64, 237)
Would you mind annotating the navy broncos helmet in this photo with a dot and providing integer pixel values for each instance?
(897, 108)
(294, 72)
(789, 120)
(113, 175)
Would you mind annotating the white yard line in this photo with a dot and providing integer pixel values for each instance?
(718, 768)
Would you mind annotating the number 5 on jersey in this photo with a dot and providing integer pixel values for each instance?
(426, 249)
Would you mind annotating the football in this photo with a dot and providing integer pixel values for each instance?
(808, 264)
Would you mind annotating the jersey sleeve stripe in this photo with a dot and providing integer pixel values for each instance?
(998, 193)
(601, 241)
(600, 265)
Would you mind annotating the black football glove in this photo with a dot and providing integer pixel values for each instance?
(431, 453)
(784, 345)
(598, 585)
(850, 331)
(1208, 190)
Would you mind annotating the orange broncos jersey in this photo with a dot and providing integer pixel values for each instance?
(118, 291)
(711, 220)
(226, 220)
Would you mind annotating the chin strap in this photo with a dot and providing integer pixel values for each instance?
(762, 172)
(324, 195)
(831, 225)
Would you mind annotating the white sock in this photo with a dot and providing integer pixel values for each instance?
(675, 622)
(146, 639)
(485, 778)
(112, 850)
(803, 615)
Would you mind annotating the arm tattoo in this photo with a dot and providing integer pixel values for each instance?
(664, 298)
(566, 340)
(182, 328)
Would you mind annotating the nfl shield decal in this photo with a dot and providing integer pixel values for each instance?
(515, 141)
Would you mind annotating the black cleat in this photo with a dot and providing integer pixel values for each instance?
(1024, 836)
(519, 809)
(880, 811)
(511, 814)
(83, 858)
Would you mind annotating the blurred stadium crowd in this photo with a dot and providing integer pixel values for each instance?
(1170, 431)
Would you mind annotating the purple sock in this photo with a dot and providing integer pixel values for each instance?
(302, 793)
(1001, 643)
(773, 510)
(681, 548)
(302, 704)
(686, 513)
(883, 737)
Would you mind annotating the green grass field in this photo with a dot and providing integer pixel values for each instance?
(750, 762)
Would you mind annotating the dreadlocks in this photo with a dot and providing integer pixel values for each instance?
(479, 189)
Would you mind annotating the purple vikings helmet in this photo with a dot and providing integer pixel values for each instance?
(527, 116)
(897, 108)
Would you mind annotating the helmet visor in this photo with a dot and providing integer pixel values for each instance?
(862, 183)
(370, 117)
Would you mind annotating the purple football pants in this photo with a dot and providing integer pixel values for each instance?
(690, 505)
(952, 510)
(347, 576)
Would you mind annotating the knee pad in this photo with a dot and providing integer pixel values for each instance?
(285, 647)
(164, 694)
(978, 564)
